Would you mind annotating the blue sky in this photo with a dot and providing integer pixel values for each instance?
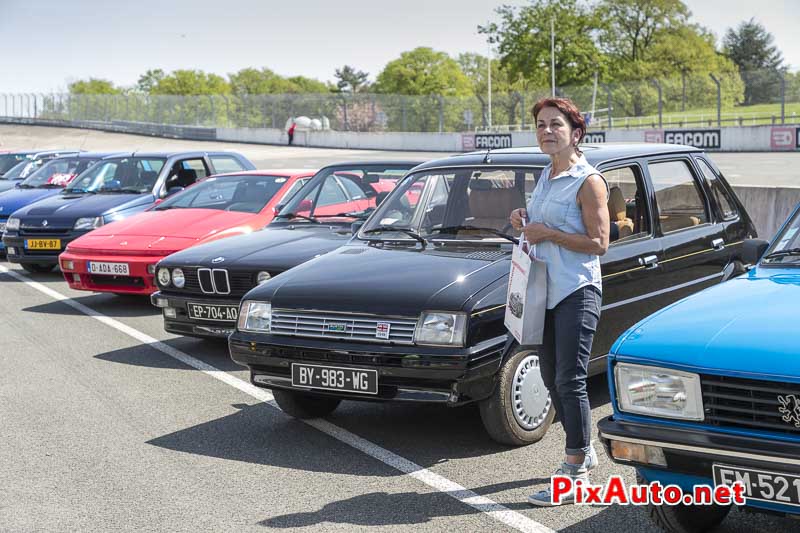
(44, 44)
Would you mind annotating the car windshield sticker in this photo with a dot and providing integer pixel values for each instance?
(382, 330)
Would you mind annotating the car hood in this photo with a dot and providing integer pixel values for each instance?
(6, 185)
(746, 326)
(68, 208)
(15, 199)
(387, 281)
(272, 249)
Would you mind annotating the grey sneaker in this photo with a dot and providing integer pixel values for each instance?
(578, 473)
(590, 461)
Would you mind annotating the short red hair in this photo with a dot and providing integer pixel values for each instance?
(567, 107)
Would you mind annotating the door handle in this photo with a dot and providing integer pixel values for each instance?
(718, 244)
(649, 262)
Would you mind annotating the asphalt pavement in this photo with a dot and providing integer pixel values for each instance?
(108, 423)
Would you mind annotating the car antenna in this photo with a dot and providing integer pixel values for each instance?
(486, 158)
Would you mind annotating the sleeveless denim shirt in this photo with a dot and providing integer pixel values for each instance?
(554, 203)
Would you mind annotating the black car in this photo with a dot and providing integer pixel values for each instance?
(111, 190)
(413, 307)
(201, 287)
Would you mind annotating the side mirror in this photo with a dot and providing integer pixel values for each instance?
(173, 190)
(371, 178)
(17, 184)
(305, 205)
(355, 226)
(753, 249)
(158, 201)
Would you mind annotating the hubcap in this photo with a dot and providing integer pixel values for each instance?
(529, 397)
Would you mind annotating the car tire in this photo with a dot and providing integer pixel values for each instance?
(519, 411)
(33, 268)
(686, 518)
(301, 405)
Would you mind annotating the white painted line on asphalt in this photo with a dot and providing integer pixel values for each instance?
(480, 503)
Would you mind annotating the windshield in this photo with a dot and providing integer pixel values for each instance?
(23, 169)
(7, 161)
(58, 172)
(342, 194)
(786, 246)
(245, 193)
(123, 174)
(465, 204)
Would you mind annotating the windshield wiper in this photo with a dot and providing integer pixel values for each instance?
(296, 215)
(408, 231)
(78, 191)
(123, 190)
(25, 186)
(361, 215)
(453, 229)
(48, 186)
(783, 253)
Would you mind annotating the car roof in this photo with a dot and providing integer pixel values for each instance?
(532, 155)
(287, 172)
(377, 163)
(89, 155)
(179, 153)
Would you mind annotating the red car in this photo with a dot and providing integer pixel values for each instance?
(121, 257)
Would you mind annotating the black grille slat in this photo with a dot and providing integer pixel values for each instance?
(748, 403)
(221, 284)
(239, 283)
(206, 283)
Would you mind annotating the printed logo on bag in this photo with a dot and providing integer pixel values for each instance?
(790, 409)
(595, 137)
(382, 330)
(492, 141)
(696, 138)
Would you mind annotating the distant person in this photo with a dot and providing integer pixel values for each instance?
(291, 132)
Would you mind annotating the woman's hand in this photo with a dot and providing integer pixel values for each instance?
(536, 233)
(517, 218)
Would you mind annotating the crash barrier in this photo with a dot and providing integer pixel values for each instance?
(768, 206)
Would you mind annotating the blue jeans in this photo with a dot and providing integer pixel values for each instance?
(564, 361)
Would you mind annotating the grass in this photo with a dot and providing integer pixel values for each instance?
(753, 115)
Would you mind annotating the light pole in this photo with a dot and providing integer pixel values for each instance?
(489, 78)
(552, 58)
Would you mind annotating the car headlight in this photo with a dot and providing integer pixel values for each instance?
(163, 276)
(255, 316)
(654, 391)
(436, 327)
(262, 277)
(2, 227)
(88, 223)
(12, 224)
(177, 278)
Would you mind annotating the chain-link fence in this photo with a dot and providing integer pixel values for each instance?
(686, 100)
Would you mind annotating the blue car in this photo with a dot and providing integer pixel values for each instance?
(707, 390)
(49, 180)
(17, 166)
(113, 189)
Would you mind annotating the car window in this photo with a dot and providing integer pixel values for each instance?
(352, 188)
(127, 174)
(678, 197)
(225, 163)
(296, 186)
(243, 193)
(58, 172)
(8, 161)
(627, 204)
(197, 165)
(718, 191)
(331, 193)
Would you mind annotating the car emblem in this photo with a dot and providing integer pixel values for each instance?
(790, 409)
(44, 223)
(382, 330)
(217, 260)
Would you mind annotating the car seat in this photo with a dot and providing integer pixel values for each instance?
(622, 226)
(491, 207)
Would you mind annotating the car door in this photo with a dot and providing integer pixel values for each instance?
(632, 271)
(694, 242)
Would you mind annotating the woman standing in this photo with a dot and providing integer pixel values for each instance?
(569, 224)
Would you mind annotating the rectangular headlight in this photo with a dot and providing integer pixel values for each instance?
(441, 328)
(255, 316)
(12, 224)
(655, 391)
(88, 223)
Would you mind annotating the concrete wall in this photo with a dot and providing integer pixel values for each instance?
(768, 206)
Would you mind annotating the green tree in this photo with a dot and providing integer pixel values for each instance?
(523, 38)
(423, 71)
(93, 86)
(250, 81)
(301, 84)
(351, 80)
(149, 79)
(751, 47)
(506, 96)
(190, 82)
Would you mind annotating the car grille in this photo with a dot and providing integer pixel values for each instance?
(345, 326)
(218, 281)
(44, 232)
(117, 281)
(750, 403)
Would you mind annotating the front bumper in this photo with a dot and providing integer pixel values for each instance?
(405, 372)
(182, 324)
(138, 281)
(18, 241)
(690, 454)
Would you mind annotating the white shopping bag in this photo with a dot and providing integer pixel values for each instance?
(526, 301)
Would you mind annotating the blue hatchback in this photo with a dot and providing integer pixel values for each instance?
(707, 390)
